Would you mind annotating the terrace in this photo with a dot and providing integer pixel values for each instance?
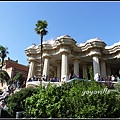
(109, 84)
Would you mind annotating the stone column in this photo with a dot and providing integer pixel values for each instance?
(52, 74)
(46, 66)
(103, 68)
(85, 74)
(55, 72)
(76, 66)
(64, 67)
(108, 70)
(31, 69)
(96, 67)
(58, 69)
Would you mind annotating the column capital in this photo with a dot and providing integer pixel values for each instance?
(31, 59)
(95, 52)
(45, 55)
(58, 61)
(62, 50)
(108, 64)
(103, 59)
(75, 58)
(84, 63)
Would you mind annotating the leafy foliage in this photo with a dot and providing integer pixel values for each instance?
(4, 76)
(4, 48)
(91, 73)
(68, 101)
(3, 54)
(19, 77)
(41, 27)
(16, 102)
(117, 89)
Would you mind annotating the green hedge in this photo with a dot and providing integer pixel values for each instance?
(16, 102)
(68, 101)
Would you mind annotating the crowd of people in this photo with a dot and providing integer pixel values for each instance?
(44, 78)
(7, 91)
(114, 78)
(72, 75)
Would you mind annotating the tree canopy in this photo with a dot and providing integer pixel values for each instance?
(41, 27)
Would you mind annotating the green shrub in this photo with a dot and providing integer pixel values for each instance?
(16, 102)
(117, 89)
(68, 101)
(19, 77)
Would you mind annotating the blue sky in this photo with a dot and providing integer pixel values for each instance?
(80, 20)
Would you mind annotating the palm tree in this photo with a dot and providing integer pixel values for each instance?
(41, 30)
(3, 74)
(3, 54)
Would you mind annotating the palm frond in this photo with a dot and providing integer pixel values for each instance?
(41, 27)
(2, 48)
(3, 52)
(4, 76)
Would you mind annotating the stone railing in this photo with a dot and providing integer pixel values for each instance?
(44, 83)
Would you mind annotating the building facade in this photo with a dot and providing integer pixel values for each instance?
(12, 67)
(63, 56)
